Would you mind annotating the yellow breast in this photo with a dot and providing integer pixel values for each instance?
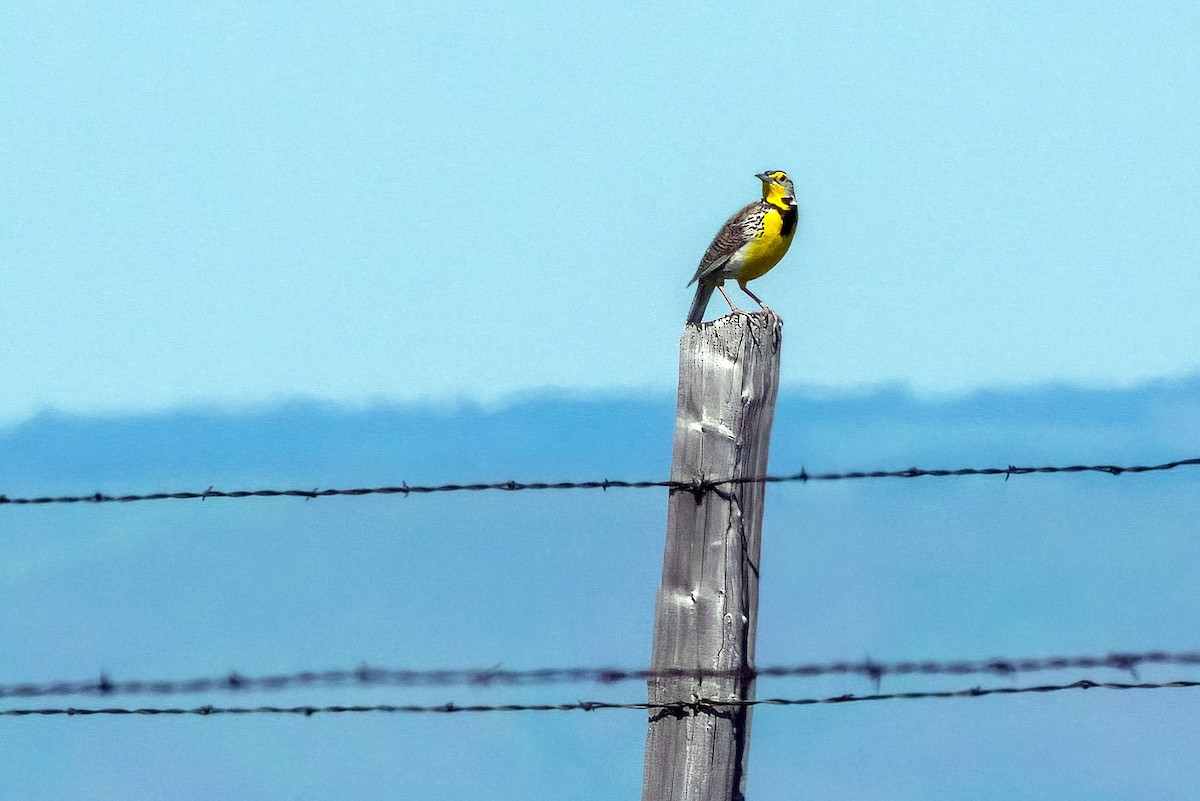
(765, 252)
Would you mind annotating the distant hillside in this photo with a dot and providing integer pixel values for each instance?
(601, 436)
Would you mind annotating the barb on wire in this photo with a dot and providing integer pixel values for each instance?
(405, 489)
(490, 677)
(695, 707)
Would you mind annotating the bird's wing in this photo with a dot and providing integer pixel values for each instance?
(739, 229)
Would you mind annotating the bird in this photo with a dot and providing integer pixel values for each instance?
(749, 244)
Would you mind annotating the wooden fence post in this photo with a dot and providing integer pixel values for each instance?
(707, 606)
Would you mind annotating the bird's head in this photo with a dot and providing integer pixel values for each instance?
(777, 188)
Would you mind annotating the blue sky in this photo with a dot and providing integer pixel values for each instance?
(351, 244)
(236, 203)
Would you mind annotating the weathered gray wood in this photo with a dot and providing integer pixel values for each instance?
(707, 606)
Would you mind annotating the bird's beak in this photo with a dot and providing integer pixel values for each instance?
(762, 176)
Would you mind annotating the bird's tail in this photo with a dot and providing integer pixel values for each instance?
(704, 290)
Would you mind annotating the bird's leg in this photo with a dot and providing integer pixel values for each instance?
(746, 289)
(732, 308)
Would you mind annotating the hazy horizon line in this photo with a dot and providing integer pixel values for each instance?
(459, 403)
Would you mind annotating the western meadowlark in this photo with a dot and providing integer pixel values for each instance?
(749, 244)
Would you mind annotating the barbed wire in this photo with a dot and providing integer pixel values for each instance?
(489, 677)
(681, 707)
(697, 487)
